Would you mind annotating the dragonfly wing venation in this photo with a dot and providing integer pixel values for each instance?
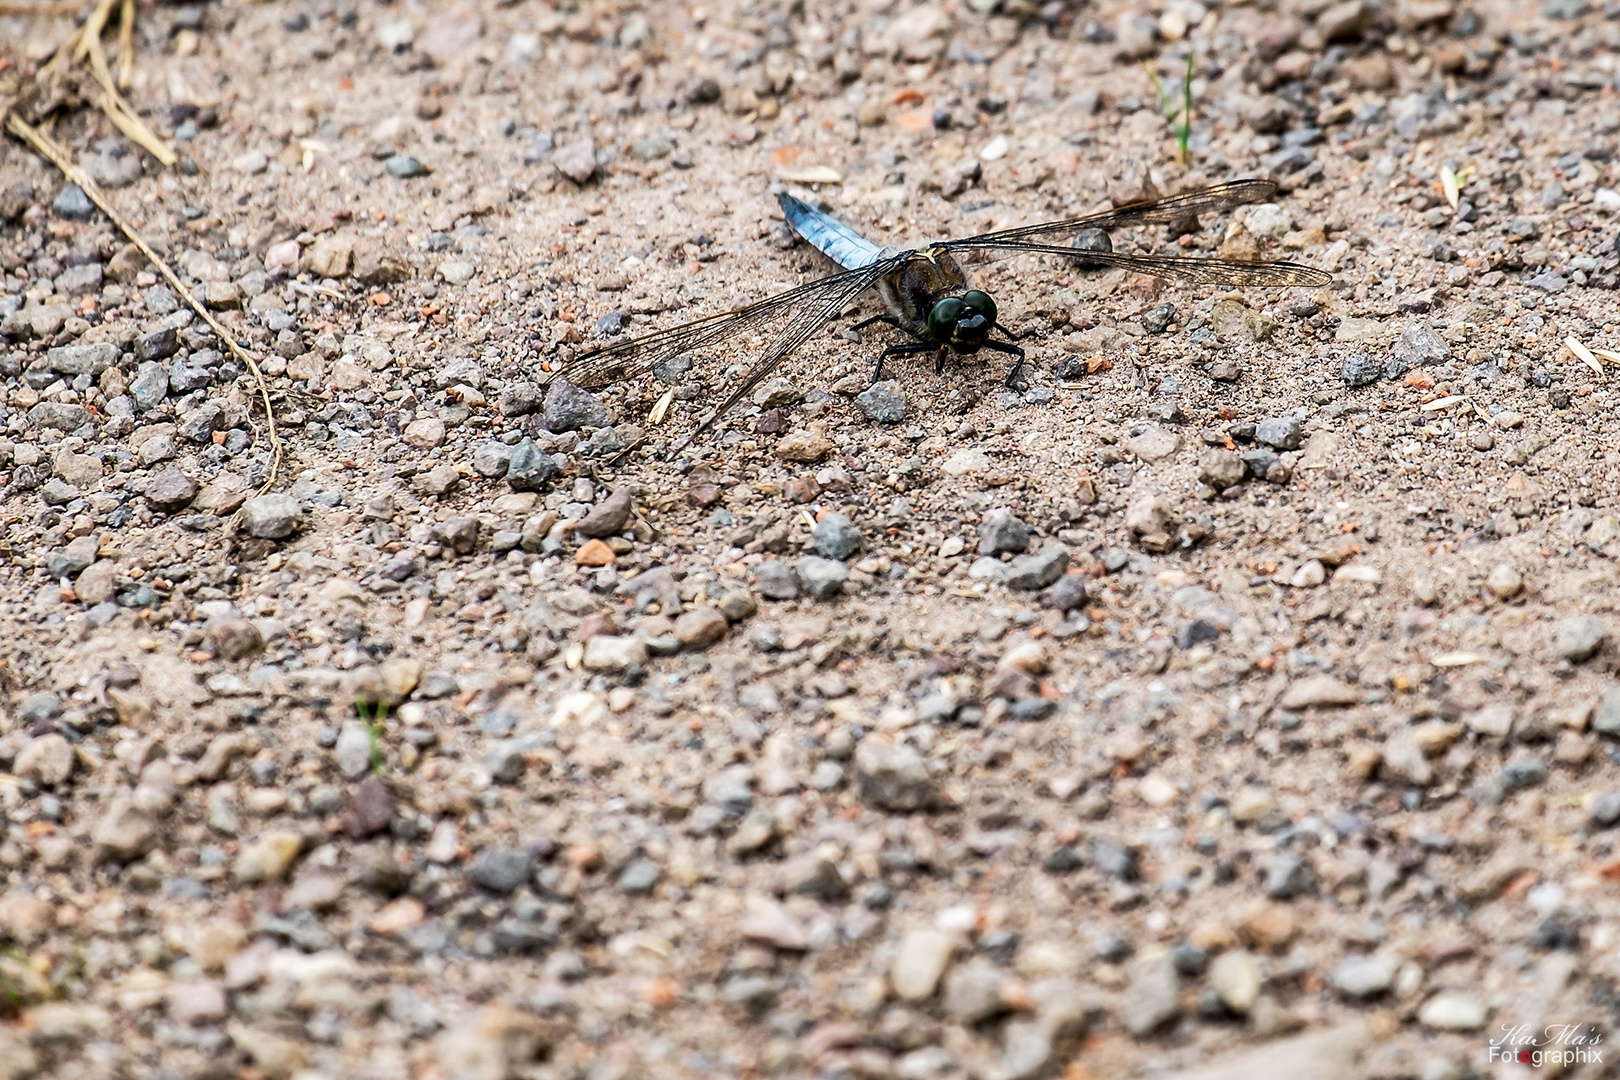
(630, 359)
(1157, 211)
(1199, 271)
(809, 319)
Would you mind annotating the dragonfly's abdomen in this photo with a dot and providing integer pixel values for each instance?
(840, 243)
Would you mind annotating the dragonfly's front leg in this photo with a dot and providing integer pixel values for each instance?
(1010, 350)
(906, 349)
(884, 318)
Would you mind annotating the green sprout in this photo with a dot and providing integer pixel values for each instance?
(12, 997)
(374, 730)
(1182, 128)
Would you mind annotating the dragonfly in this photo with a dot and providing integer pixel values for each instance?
(925, 292)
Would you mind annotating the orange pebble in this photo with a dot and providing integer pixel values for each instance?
(594, 553)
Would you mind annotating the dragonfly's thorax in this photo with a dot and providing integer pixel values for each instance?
(914, 291)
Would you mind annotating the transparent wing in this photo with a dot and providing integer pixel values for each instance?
(1209, 200)
(637, 356)
(1199, 271)
(835, 294)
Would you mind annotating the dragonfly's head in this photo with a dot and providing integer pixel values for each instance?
(962, 322)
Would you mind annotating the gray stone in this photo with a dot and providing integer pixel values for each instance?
(170, 490)
(160, 301)
(615, 654)
(158, 345)
(112, 170)
(1606, 720)
(353, 749)
(1154, 444)
(60, 416)
(521, 399)
(73, 204)
(501, 869)
(973, 992)
(1153, 996)
(123, 832)
(1418, 345)
(822, 578)
(490, 459)
(1605, 810)
(1363, 976)
(1580, 638)
(530, 468)
(199, 424)
(639, 877)
(272, 517)
(184, 377)
(568, 408)
(1037, 570)
(1221, 469)
(158, 448)
(1359, 369)
(82, 359)
(882, 402)
(150, 386)
(505, 762)
(1287, 877)
(1156, 318)
(404, 167)
(1281, 432)
(576, 160)
(893, 776)
(73, 559)
(1000, 532)
(777, 581)
(836, 537)
(608, 517)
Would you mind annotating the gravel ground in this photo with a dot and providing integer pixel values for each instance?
(1232, 700)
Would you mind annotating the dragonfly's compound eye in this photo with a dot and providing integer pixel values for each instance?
(942, 319)
(980, 301)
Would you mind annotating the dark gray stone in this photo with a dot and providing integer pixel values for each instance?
(73, 204)
(836, 537)
(822, 578)
(1001, 532)
(529, 468)
(882, 402)
(158, 345)
(1037, 570)
(501, 869)
(568, 408)
(170, 490)
(1281, 432)
(777, 581)
(1359, 369)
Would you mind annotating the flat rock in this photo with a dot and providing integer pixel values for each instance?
(919, 963)
(1154, 444)
(272, 517)
(1333, 1054)
(1323, 691)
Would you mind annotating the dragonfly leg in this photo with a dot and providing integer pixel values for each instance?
(884, 318)
(897, 350)
(1010, 350)
(939, 362)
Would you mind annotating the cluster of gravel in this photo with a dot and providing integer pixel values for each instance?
(1233, 696)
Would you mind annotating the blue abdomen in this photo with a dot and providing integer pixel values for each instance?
(840, 243)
